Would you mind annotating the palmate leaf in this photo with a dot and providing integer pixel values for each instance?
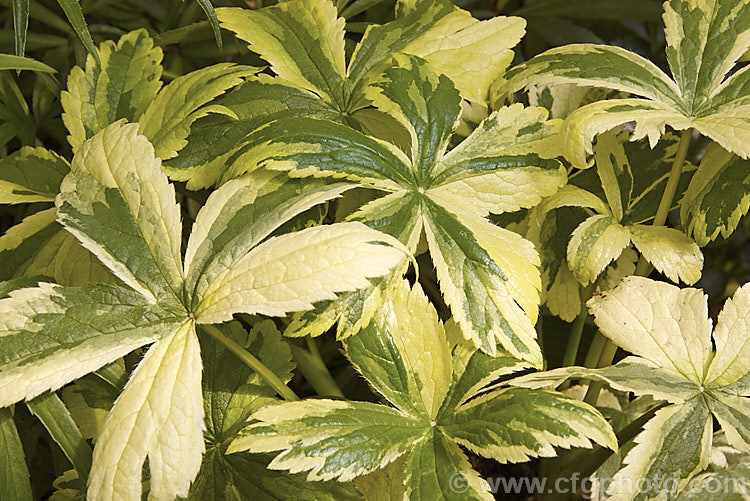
(480, 266)
(669, 331)
(704, 41)
(303, 42)
(119, 204)
(404, 353)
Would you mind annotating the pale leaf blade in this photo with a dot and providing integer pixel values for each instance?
(671, 252)
(729, 126)
(31, 175)
(84, 329)
(302, 40)
(241, 214)
(290, 272)
(613, 168)
(731, 363)
(159, 415)
(659, 322)
(121, 207)
(651, 118)
(167, 120)
(331, 438)
(403, 352)
(594, 244)
(733, 414)
(516, 424)
(631, 374)
(506, 164)
(125, 82)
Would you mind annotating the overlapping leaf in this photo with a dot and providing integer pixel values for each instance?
(669, 331)
(303, 41)
(119, 204)
(404, 353)
(704, 42)
(487, 274)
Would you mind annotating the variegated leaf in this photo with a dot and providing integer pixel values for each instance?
(167, 120)
(240, 215)
(331, 438)
(594, 244)
(121, 85)
(731, 363)
(121, 207)
(404, 353)
(51, 335)
(290, 272)
(717, 197)
(515, 424)
(31, 175)
(302, 40)
(158, 416)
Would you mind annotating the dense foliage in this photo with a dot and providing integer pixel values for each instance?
(466, 237)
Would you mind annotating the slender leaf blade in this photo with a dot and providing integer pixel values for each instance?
(14, 474)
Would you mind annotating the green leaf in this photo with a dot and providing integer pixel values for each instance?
(9, 62)
(670, 251)
(438, 469)
(717, 197)
(240, 215)
(14, 475)
(159, 415)
(403, 352)
(167, 119)
(331, 438)
(122, 85)
(20, 25)
(613, 169)
(594, 244)
(121, 207)
(31, 175)
(84, 329)
(56, 418)
(208, 8)
(231, 392)
(73, 12)
(303, 42)
(276, 277)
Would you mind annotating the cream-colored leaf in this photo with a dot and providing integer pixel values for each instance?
(291, 272)
(159, 417)
(732, 339)
(670, 251)
(659, 322)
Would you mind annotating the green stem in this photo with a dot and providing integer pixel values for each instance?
(251, 361)
(311, 366)
(595, 351)
(643, 268)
